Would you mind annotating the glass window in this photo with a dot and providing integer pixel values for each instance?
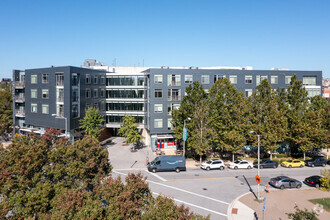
(34, 93)
(174, 94)
(34, 79)
(45, 109)
(75, 79)
(248, 79)
(169, 124)
(96, 105)
(259, 79)
(248, 92)
(313, 92)
(218, 77)
(158, 93)
(102, 93)
(309, 80)
(205, 79)
(174, 80)
(45, 78)
(158, 108)
(75, 95)
(45, 94)
(95, 93)
(158, 123)
(171, 107)
(59, 95)
(87, 105)
(233, 79)
(188, 79)
(88, 93)
(88, 79)
(158, 79)
(102, 106)
(60, 110)
(75, 112)
(96, 80)
(102, 80)
(59, 79)
(274, 79)
(288, 79)
(34, 108)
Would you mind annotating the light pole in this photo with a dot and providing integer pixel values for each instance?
(66, 125)
(258, 158)
(184, 141)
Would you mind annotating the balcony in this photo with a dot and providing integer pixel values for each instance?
(20, 99)
(60, 99)
(19, 85)
(20, 113)
(60, 83)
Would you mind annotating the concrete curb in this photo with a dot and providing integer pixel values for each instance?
(231, 205)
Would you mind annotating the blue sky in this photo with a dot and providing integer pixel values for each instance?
(291, 34)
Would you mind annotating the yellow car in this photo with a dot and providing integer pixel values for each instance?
(293, 163)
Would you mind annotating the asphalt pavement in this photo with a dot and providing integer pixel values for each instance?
(204, 192)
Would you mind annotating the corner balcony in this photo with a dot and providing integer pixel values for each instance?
(19, 85)
(20, 113)
(20, 99)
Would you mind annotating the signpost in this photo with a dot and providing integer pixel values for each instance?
(263, 208)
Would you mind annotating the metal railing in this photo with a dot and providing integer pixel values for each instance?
(20, 98)
(60, 99)
(19, 84)
(20, 112)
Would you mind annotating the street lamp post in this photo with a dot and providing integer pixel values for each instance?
(258, 159)
(184, 141)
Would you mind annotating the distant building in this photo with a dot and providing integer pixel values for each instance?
(58, 96)
(5, 80)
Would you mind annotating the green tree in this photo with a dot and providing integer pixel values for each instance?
(194, 105)
(6, 112)
(228, 116)
(267, 117)
(129, 129)
(92, 122)
(300, 214)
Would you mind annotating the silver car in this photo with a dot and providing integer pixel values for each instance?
(283, 182)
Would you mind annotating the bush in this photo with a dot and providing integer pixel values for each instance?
(280, 155)
(325, 180)
(300, 214)
(279, 161)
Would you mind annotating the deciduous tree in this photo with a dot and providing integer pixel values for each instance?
(92, 122)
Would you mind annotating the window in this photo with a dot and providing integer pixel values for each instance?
(87, 105)
(174, 94)
(313, 92)
(259, 79)
(88, 93)
(59, 79)
(96, 105)
(95, 93)
(274, 79)
(158, 79)
(102, 106)
(45, 78)
(60, 110)
(188, 79)
(75, 95)
(96, 80)
(205, 79)
(309, 80)
(173, 80)
(248, 92)
(45, 109)
(158, 93)
(88, 79)
(75, 112)
(158, 108)
(75, 79)
(102, 80)
(34, 108)
(34, 93)
(169, 124)
(34, 79)
(45, 94)
(59, 95)
(102, 93)
(288, 79)
(233, 79)
(248, 79)
(171, 107)
(158, 123)
(218, 77)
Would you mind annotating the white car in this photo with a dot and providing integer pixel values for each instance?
(240, 164)
(213, 164)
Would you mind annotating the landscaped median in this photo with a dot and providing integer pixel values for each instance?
(280, 202)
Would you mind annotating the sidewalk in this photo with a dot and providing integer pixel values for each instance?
(277, 204)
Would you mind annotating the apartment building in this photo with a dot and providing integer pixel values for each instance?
(58, 96)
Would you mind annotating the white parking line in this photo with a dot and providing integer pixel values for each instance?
(159, 177)
(197, 206)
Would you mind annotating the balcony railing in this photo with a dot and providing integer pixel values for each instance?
(60, 99)
(20, 98)
(20, 113)
(19, 85)
(60, 83)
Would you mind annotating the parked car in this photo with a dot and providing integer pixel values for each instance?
(313, 181)
(316, 162)
(168, 163)
(240, 164)
(266, 164)
(283, 182)
(213, 164)
(293, 163)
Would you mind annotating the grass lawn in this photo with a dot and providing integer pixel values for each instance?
(324, 201)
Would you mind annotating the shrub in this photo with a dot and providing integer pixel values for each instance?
(300, 214)
(325, 180)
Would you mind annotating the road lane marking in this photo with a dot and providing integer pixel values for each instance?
(207, 178)
(119, 173)
(182, 190)
(197, 206)
(159, 177)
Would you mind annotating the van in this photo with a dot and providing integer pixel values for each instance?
(168, 163)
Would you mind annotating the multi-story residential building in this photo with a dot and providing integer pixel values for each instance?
(146, 93)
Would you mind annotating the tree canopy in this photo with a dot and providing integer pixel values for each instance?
(92, 122)
(6, 111)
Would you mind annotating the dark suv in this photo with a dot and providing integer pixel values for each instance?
(316, 162)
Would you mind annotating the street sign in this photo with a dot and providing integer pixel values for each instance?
(258, 179)
(184, 134)
(264, 206)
